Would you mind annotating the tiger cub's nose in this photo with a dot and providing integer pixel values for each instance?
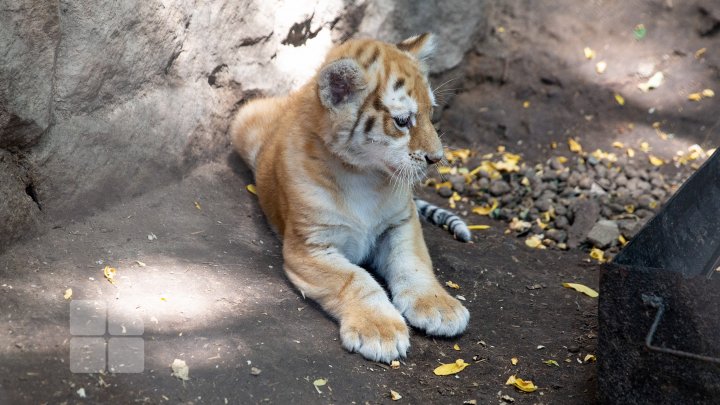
(432, 158)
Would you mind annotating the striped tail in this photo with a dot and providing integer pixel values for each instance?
(444, 218)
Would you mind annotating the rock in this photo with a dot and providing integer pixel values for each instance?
(586, 214)
(585, 182)
(484, 183)
(560, 209)
(603, 233)
(646, 201)
(596, 190)
(140, 93)
(557, 235)
(499, 187)
(621, 180)
(543, 205)
(445, 191)
(19, 201)
(458, 183)
(630, 227)
(562, 222)
(556, 165)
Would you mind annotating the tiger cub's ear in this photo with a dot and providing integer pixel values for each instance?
(340, 82)
(421, 46)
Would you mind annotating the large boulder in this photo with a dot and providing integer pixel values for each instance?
(109, 99)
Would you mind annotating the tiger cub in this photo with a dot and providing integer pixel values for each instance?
(335, 163)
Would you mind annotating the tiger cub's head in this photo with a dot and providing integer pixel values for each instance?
(379, 104)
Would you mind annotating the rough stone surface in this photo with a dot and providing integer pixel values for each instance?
(586, 213)
(603, 233)
(18, 211)
(109, 100)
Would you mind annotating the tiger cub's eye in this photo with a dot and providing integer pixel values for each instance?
(402, 122)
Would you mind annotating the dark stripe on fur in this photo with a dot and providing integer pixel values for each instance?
(443, 218)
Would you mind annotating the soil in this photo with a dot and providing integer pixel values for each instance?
(213, 293)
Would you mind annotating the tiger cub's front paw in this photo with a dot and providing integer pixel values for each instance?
(379, 334)
(435, 311)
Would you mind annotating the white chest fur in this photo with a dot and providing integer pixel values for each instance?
(353, 220)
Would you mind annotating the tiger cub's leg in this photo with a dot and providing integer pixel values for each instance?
(369, 323)
(402, 258)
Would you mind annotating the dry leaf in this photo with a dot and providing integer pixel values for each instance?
(319, 383)
(574, 146)
(456, 347)
(485, 209)
(197, 205)
(655, 161)
(526, 104)
(622, 240)
(598, 255)
(630, 208)
(68, 294)
(700, 52)
(645, 147)
(395, 396)
(109, 273)
(708, 93)
(451, 368)
(631, 152)
(590, 357)
(534, 242)
(180, 370)
(395, 364)
(581, 288)
(452, 285)
(551, 363)
(521, 384)
(600, 67)
(478, 227)
(446, 184)
(445, 169)
(695, 96)
(251, 188)
(589, 53)
(514, 361)
(139, 263)
(620, 99)
(654, 82)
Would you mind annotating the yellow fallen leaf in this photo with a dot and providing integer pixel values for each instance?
(700, 52)
(395, 364)
(695, 96)
(561, 159)
(500, 29)
(644, 146)
(622, 240)
(456, 347)
(655, 161)
(526, 104)
(395, 396)
(534, 242)
(68, 294)
(455, 154)
(581, 288)
(589, 53)
(456, 196)
(654, 82)
(452, 285)
(553, 145)
(485, 209)
(525, 182)
(600, 67)
(620, 99)
(451, 368)
(521, 384)
(551, 363)
(444, 169)
(319, 383)
(574, 146)
(631, 152)
(630, 208)
(478, 227)
(109, 273)
(514, 361)
(590, 357)
(446, 184)
(708, 93)
(197, 205)
(598, 255)
(251, 188)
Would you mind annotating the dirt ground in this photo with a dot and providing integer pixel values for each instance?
(212, 290)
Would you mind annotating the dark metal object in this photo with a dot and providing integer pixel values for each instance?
(657, 303)
(668, 273)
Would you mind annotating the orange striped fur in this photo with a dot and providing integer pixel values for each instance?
(335, 163)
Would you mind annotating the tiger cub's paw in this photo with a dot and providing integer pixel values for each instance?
(379, 334)
(435, 311)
